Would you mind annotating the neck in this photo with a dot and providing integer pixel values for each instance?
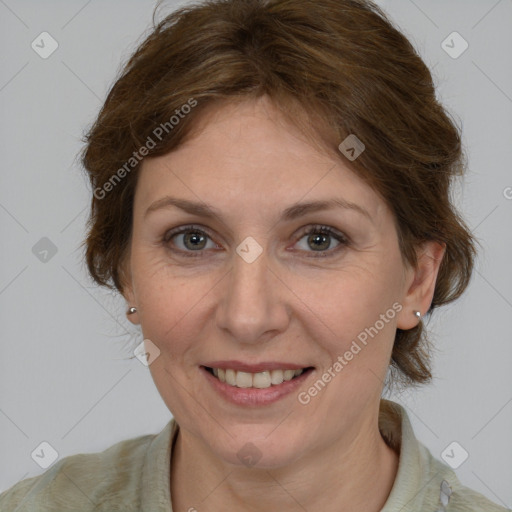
(353, 475)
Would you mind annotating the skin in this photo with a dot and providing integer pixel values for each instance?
(287, 305)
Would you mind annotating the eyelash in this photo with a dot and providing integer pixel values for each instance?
(317, 229)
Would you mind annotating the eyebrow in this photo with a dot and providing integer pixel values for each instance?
(292, 212)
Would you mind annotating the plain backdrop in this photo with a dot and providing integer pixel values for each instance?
(65, 373)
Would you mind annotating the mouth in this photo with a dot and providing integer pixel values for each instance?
(258, 380)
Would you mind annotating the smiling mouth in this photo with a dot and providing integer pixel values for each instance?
(260, 380)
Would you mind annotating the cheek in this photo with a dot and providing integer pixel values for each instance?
(350, 313)
(175, 307)
(167, 318)
(349, 299)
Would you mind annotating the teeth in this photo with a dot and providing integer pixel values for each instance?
(230, 377)
(260, 380)
(243, 380)
(276, 376)
(289, 374)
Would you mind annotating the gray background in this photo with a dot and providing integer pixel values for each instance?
(65, 376)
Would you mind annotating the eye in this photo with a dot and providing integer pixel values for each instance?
(192, 239)
(320, 238)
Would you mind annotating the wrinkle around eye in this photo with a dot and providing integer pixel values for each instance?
(348, 232)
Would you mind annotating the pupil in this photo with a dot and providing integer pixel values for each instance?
(194, 238)
(318, 237)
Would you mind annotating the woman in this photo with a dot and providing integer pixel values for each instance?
(271, 184)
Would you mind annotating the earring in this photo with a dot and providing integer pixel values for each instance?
(417, 314)
(131, 311)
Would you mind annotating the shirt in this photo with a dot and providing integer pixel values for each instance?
(134, 475)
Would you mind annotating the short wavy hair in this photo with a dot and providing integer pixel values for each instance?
(335, 67)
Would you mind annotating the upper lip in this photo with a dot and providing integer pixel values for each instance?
(255, 368)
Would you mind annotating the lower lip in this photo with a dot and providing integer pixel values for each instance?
(255, 396)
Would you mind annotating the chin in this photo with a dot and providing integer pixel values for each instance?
(261, 451)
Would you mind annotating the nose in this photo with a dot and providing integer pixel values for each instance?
(253, 301)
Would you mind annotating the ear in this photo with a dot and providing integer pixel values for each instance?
(420, 283)
(128, 292)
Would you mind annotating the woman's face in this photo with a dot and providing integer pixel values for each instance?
(252, 284)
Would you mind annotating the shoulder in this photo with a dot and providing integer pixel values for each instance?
(467, 500)
(453, 494)
(424, 482)
(84, 481)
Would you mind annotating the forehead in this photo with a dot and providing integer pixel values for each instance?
(247, 154)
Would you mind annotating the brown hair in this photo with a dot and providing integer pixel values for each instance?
(338, 67)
